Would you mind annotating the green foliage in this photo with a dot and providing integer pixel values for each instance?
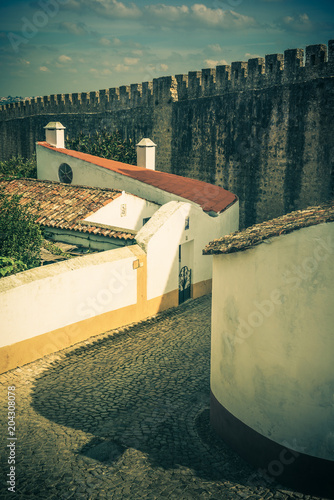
(18, 167)
(106, 145)
(55, 250)
(20, 237)
(11, 266)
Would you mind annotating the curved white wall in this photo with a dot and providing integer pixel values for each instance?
(272, 361)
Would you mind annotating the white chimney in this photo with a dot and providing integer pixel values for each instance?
(54, 134)
(146, 154)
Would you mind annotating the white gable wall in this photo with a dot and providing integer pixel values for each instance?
(162, 235)
(126, 211)
(89, 174)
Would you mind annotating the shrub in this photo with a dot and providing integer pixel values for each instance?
(105, 144)
(18, 167)
(10, 266)
(20, 237)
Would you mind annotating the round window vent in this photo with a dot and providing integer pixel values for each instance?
(65, 173)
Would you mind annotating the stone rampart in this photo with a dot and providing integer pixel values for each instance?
(262, 129)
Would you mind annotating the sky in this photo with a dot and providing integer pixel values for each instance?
(63, 46)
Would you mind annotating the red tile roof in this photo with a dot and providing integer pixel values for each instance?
(254, 235)
(208, 196)
(65, 206)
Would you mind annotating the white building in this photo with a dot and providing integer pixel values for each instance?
(176, 233)
(272, 376)
(166, 218)
(94, 218)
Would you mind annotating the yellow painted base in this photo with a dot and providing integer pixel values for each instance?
(201, 288)
(29, 350)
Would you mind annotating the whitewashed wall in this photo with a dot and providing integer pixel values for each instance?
(136, 209)
(88, 174)
(273, 341)
(48, 298)
(161, 236)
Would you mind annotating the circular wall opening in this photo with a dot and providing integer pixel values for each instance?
(65, 173)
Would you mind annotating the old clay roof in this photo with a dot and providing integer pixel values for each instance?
(254, 235)
(208, 196)
(64, 206)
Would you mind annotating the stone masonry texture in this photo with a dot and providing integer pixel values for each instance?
(125, 415)
(262, 129)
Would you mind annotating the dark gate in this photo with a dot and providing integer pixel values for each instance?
(184, 284)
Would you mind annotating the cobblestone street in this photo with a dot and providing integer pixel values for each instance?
(126, 416)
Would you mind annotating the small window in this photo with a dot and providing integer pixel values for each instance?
(312, 59)
(65, 173)
(186, 223)
(271, 67)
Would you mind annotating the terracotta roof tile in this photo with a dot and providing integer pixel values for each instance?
(208, 196)
(64, 206)
(254, 235)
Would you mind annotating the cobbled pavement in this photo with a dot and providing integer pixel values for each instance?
(125, 415)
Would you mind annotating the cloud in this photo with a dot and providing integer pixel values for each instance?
(215, 48)
(251, 56)
(130, 61)
(300, 22)
(211, 63)
(78, 29)
(71, 4)
(200, 15)
(168, 12)
(218, 18)
(105, 42)
(112, 9)
(121, 67)
(162, 15)
(96, 72)
(64, 59)
(154, 71)
(44, 69)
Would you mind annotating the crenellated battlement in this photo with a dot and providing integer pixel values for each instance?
(295, 65)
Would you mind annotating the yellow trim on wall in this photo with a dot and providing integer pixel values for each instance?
(29, 350)
(201, 288)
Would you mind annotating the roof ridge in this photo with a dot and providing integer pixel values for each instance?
(56, 183)
(284, 224)
(210, 197)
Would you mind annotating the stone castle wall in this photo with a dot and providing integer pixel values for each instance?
(262, 129)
